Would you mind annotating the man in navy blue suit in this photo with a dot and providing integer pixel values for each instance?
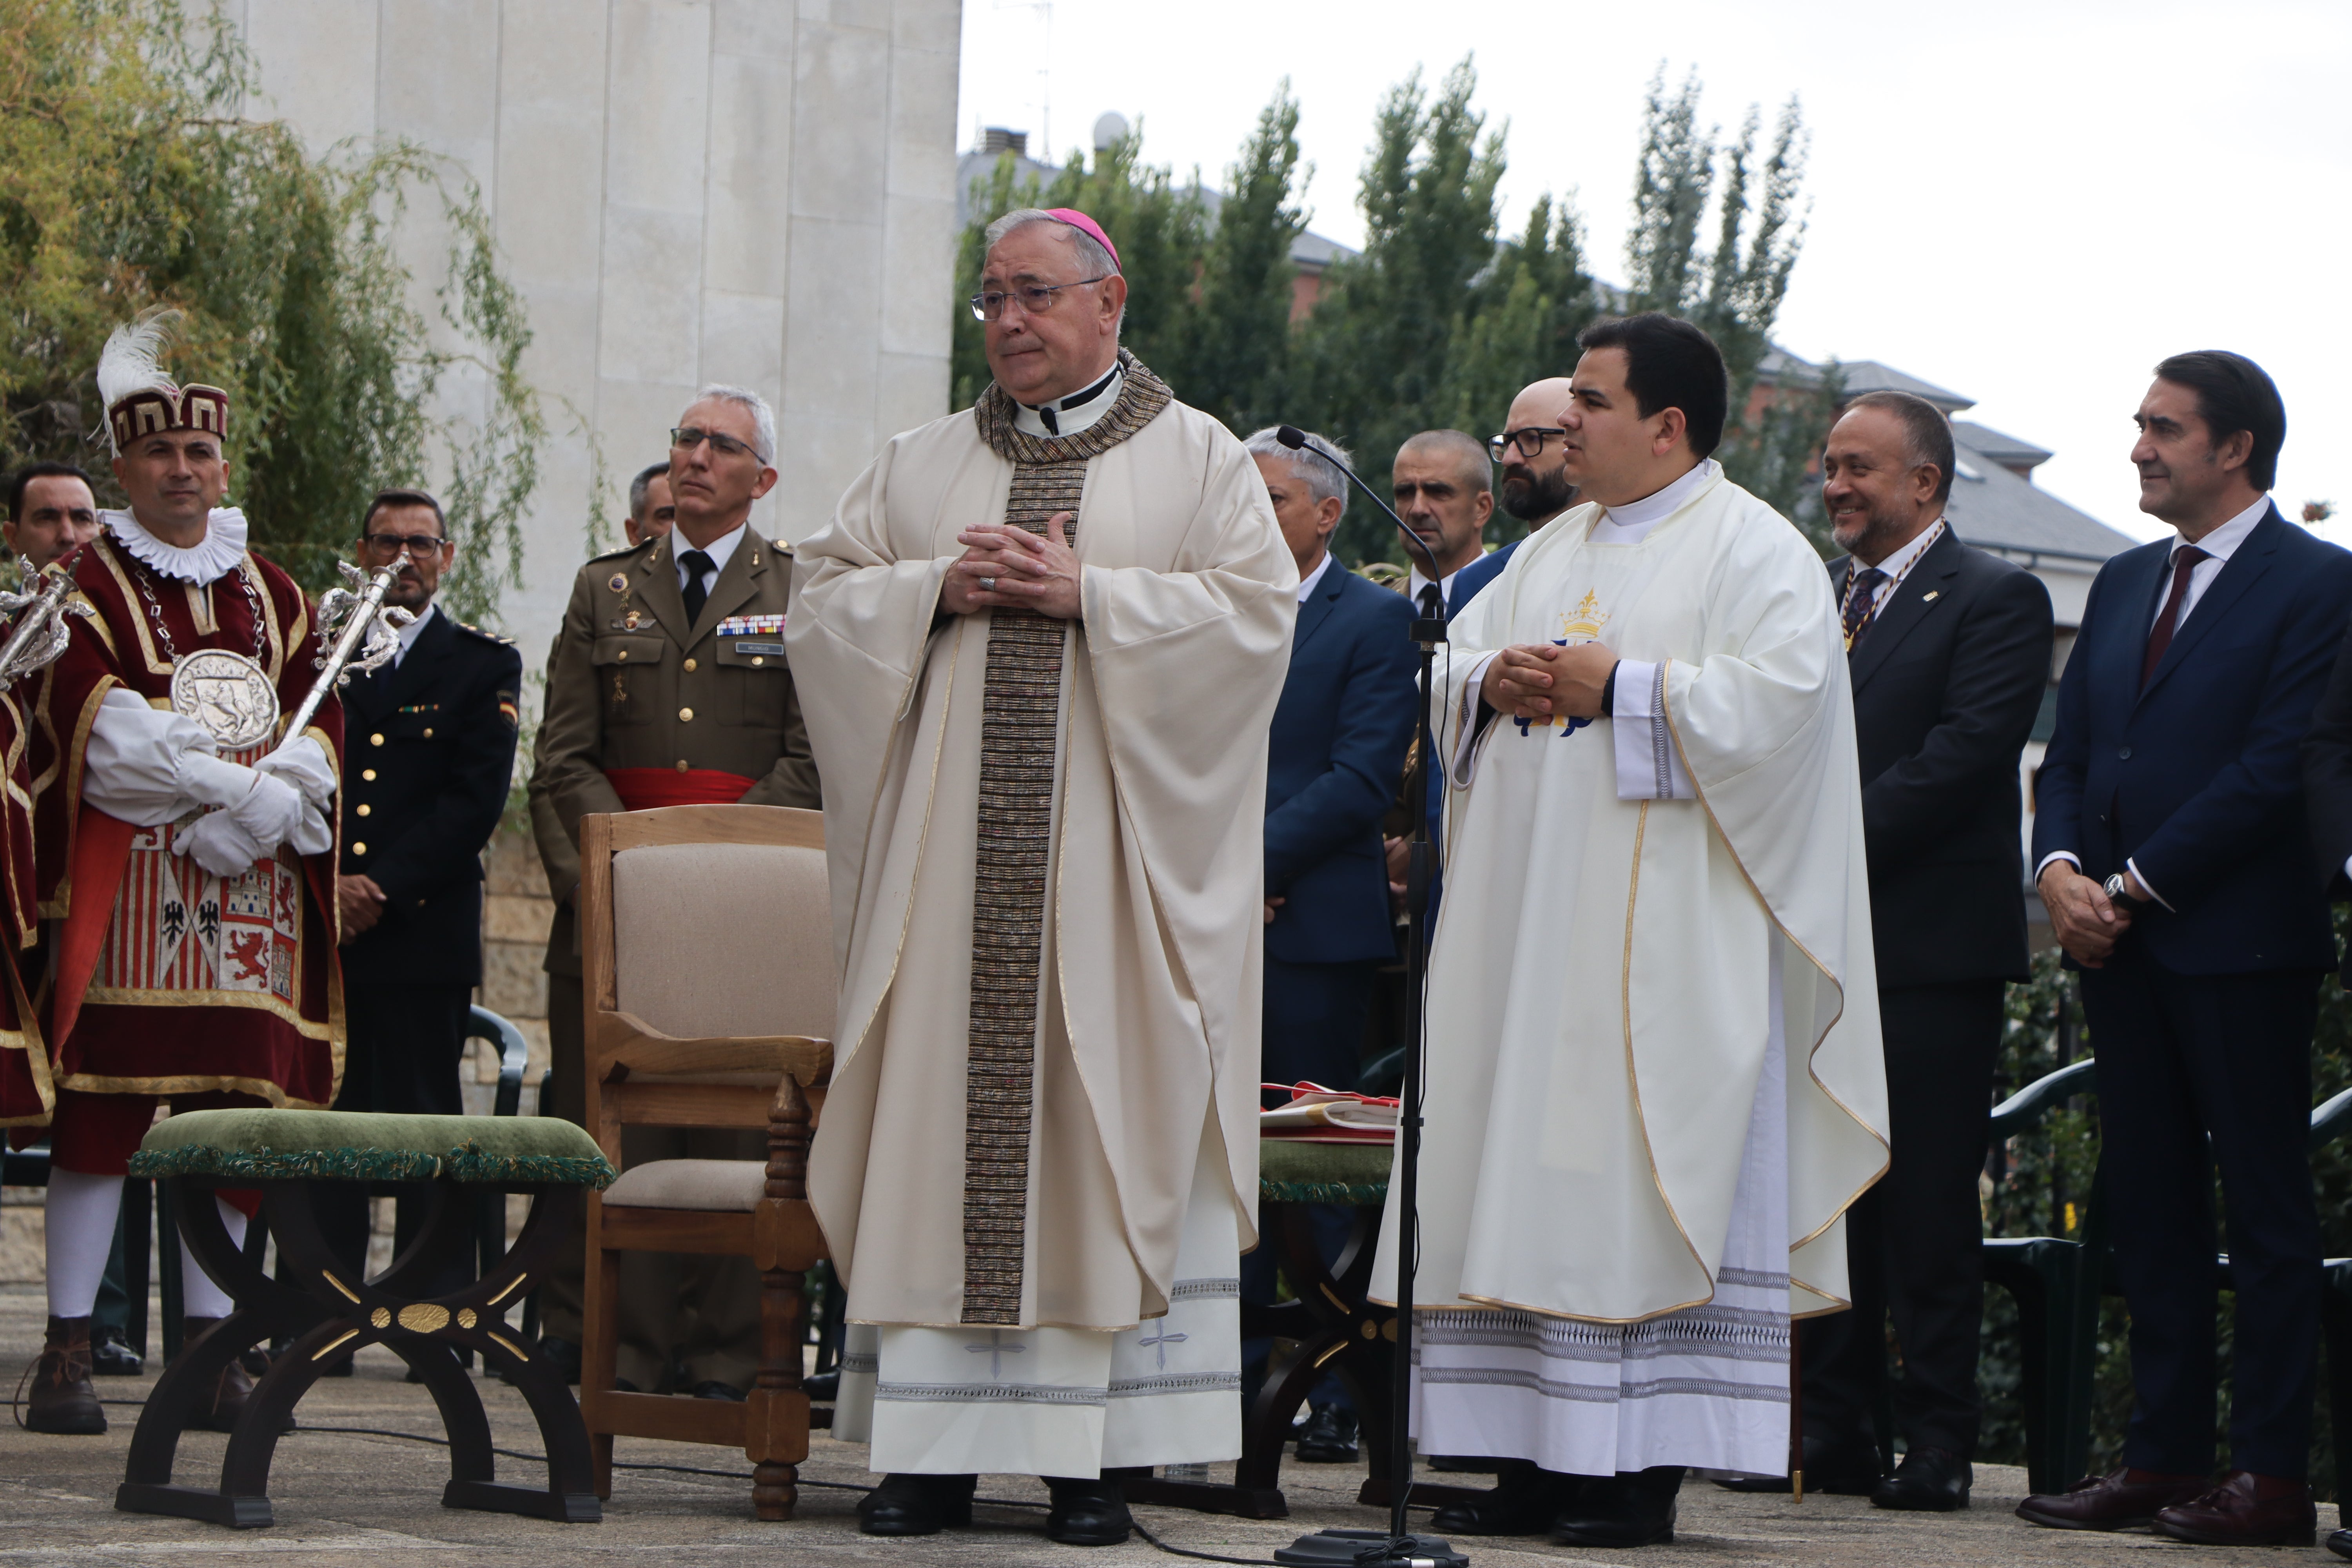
(1338, 744)
(2170, 846)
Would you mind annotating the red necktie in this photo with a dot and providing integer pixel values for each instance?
(2160, 637)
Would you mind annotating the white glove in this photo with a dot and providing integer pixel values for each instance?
(273, 812)
(203, 779)
(302, 762)
(217, 843)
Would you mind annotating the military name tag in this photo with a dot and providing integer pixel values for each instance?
(759, 648)
(226, 693)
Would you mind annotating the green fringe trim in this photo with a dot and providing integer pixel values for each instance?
(1356, 1195)
(468, 1163)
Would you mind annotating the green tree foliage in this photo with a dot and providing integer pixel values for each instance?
(1235, 360)
(130, 177)
(1441, 319)
(1735, 290)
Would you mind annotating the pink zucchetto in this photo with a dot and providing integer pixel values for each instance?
(1087, 226)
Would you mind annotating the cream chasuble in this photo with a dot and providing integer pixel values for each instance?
(1042, 1115)
(1654, 1072)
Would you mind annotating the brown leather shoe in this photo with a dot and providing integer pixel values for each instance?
(235, 1386)
(2117, 1501)
(62, 1402)
(2245, 1510)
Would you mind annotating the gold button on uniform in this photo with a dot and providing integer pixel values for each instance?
(429, 731)
(685, 715)
(623, 657)
(359, 849)
(690, 667)
(757, 660)
(681, 764)
(375, 740)
(364, 810)
(368, 774)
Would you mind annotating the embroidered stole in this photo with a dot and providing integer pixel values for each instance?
(1020, 709)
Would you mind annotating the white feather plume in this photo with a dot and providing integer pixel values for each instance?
(128, 363)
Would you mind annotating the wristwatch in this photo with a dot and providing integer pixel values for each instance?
(2123, 900)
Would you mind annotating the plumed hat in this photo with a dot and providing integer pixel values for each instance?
(139, 398)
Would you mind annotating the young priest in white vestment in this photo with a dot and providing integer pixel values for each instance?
(1654, 1079)
(1039, 648)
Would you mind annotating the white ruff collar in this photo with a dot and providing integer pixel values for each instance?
(222, 548)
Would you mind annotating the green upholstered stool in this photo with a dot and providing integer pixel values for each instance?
(329, 1315)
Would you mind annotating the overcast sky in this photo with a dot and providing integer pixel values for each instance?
(2028, 204)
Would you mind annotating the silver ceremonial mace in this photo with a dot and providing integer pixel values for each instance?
(41, 632)
(353, 620)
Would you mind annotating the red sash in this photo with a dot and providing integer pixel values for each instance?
(644, 789)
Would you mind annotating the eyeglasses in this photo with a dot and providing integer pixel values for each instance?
(386, 545)
(686, 439)
(1036, 298)
(1530, 441)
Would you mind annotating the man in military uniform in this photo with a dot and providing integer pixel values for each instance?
(430, 750)
(667, 686)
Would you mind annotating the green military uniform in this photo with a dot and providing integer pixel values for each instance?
(644, 707)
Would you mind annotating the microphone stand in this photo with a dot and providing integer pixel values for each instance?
(1399, 1547)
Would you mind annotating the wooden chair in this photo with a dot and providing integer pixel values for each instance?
(707, 943)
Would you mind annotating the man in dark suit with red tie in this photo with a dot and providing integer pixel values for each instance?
(2171, 850)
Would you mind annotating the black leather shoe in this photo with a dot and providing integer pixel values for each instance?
(1928, 1480)
(917, 1505)
(1329, 1438)
(1088, 1511)
(1525, 1500)
(1843, 1469)
(2340, 1543)
(110, 1354)
(1629, 1509)
(823, 1388)
(717, 1390)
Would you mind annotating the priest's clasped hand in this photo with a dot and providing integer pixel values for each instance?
(1008, 568)
(1536, 680)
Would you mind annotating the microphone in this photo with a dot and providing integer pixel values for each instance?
(1292, 436)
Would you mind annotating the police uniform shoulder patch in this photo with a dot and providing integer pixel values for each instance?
(622, 553)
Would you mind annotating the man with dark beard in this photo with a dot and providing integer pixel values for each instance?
(1948, 652)
(1535, 474)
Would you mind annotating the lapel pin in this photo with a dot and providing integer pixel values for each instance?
(619, 583)
(1929, 597)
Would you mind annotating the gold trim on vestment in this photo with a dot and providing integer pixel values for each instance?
(1666, 707)
(191, 1083)
(262, 1001)
(60, 904)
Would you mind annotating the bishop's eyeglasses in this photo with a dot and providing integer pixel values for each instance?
(1035, 299)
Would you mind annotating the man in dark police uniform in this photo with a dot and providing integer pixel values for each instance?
(428, 756)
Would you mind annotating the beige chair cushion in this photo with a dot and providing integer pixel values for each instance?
(731, 1186)
(717, 941)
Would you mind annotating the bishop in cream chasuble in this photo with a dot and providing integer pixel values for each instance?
(1037, 1162)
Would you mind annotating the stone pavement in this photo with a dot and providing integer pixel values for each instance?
(347, 1499)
